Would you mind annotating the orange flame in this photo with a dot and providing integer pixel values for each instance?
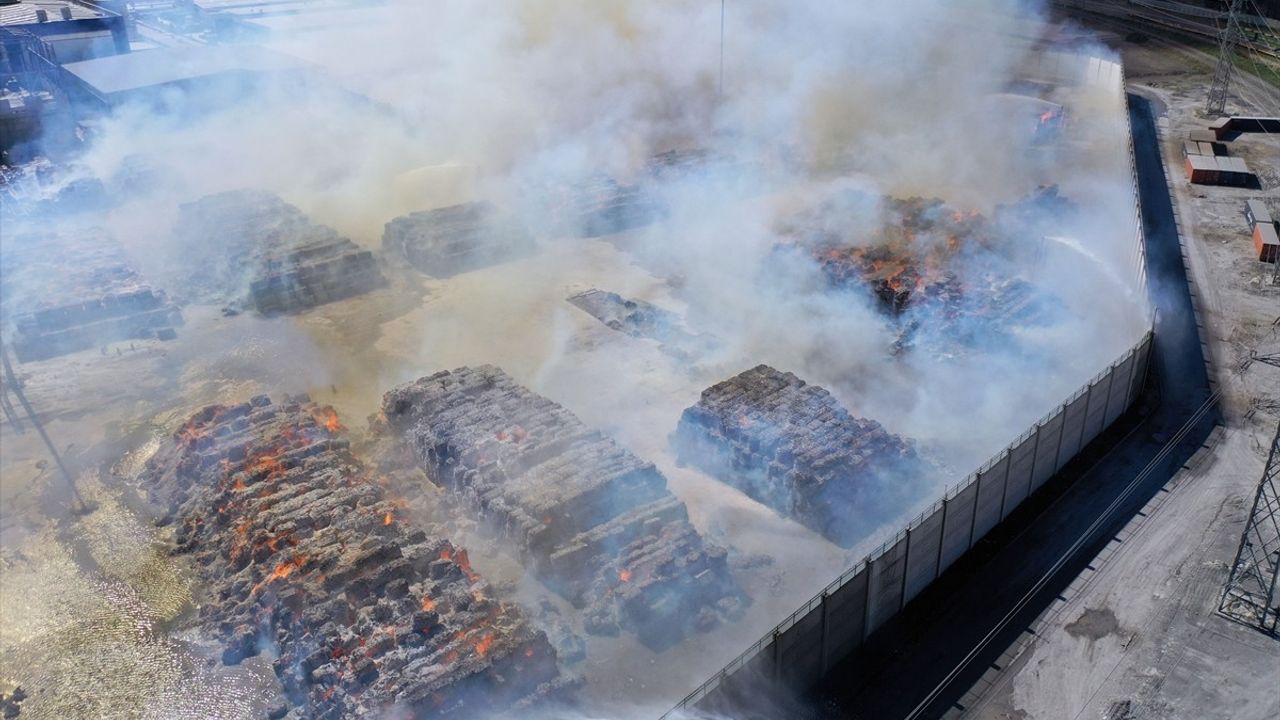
(465, 563)
(624, 575)
(428, 604)
(483, 645)
(266, 463)
(327, 417)
(190, 433)
(282, 570)
(388, 518)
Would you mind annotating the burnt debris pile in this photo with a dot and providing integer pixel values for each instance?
(251, 248)
(793, 447)
(306, 557)
(940, 274)
(600, 205)
(604, 206)
(640, 319)
(455, 239)
(591, 519)
(75, 290)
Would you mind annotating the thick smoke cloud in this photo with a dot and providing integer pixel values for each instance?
(846, 105)
(900, 101)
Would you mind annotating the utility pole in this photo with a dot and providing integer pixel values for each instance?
(15, 386)
(720, 90)
(1227, 40)
(1250, 595)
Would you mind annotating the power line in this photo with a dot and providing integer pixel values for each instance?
(1250, 594)
(1227, 41)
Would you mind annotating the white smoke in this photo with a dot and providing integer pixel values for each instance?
(889, 100)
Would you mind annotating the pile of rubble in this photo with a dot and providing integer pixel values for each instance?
(251, 248)
(73, 291)
(41, 188)
(307, 558)
(594, 521)
(793, 447)
(455, 239)
(602, 205)
(930, 267)
(908, 258)
(640, 319)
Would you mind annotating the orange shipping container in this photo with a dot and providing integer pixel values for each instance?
(1266, 242)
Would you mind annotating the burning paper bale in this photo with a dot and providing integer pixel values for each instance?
(306, 558)
(640, 319)
(250, 247)
(793, 447)
(594, 521)
(939, 273)
(67, 292)
(455, 239)
(603, 206)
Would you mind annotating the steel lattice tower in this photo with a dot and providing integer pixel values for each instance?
(1227, 41)
(1251, 589)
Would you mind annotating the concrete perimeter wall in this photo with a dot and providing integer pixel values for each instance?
(802, 648)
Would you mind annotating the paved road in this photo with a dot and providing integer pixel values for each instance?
(908, 660)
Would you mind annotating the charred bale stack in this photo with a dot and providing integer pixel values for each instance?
(456, 239)
(301, 551)
(63, 293)
(928, 266)
(603, 206)
(594, 521)
(792, 446)
(251, 247)
(906, 260)
(640, 319)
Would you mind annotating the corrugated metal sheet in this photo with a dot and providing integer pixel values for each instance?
(24, 13)
(163, 66)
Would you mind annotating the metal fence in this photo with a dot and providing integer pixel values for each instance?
(803, 647)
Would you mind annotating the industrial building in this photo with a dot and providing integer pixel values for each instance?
(199, 76)
(74, 30)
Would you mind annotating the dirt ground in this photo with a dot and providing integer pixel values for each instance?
(1138, 634)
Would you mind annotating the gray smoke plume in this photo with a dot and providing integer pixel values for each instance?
(828, 115)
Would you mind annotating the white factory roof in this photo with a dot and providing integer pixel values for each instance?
(338, 17)
(164, 66)
(245, 8)
(24, 13)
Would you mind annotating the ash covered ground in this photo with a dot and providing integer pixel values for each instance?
(686, 251)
